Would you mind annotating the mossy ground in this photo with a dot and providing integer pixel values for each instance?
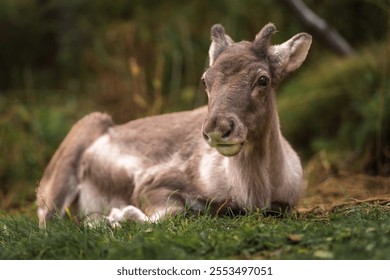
(356, 231)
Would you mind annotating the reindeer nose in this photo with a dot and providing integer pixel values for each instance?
(218, 131)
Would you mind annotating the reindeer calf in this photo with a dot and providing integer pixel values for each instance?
(228, 155)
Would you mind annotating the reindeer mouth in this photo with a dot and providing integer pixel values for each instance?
(229, 150)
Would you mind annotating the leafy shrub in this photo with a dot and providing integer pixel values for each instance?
(340, 105)
(30, 131)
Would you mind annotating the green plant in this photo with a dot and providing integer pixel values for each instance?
(338, 106)
(350, 232)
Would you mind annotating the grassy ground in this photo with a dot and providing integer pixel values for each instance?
(358, 231)
(331, 222)
(341, 216)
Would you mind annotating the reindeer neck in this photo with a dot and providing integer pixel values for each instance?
(255, 166)
(266, 146)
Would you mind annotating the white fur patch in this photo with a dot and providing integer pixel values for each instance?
(292, 187)
(132, 213)
(42, 213)
(109, 156)
(213, 175)
(241, 184)
(212, 53)
(222, 180)
(107, 151)
(91, 201)
(128, 213)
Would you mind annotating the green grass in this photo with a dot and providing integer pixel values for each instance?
(352, 232)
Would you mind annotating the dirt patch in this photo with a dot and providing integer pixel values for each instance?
(327, 187)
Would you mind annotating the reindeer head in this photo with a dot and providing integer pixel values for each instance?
(240, 84)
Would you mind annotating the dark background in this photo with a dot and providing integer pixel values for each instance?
(62, 59)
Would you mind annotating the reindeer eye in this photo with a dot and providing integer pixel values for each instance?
(263, 81)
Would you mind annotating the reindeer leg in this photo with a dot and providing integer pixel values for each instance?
(129, 213)
(132, 213)
(58, 187)
(160, 197)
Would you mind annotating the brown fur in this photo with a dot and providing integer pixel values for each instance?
(228, 156)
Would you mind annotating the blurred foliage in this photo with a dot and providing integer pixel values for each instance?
(62, 59)
(30, 130)
(136, 56)
(359, 21)
(340, 106)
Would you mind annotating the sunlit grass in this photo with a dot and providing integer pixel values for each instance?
(351, 232)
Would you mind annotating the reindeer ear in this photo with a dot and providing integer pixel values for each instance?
(220, 41)
(288, 56)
